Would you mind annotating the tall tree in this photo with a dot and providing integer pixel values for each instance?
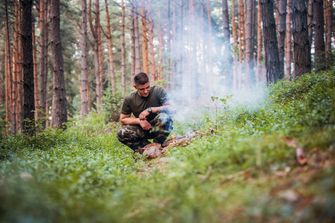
(310, 20)
(233, 24)
(10, 112)
(226, 36)
(273, 69)
(259, 40)
(123, 47)
(110, 50)
(137, 42)
(328, 28)
(36, 93)
(288, 40)
(301, 45)
(84, 83)
(319, 42)
(28, 69)
(281, 31)
(144, 38)
(249, 39)
(59, 106)
(100, 58)
(241, 28)
(43, 61)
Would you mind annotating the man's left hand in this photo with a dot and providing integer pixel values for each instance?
(143, 114)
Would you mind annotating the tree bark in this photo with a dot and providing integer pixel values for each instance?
(319, 43)
(233, 25)
(281, 31)
(151, 49)
(123, 49)
(328, 29)
(138, 64)
(28, 69)
(259, 42)
(288, 40)
(110, 51)
(144, 39)
(44, 26)
(226, 35)
(36, 95)
(59, 109)
(84, 84)
(273, 72)
(241, 27)
(249, 41)
(301, 44)
(100, 58)
(10, 114)
(310, 21)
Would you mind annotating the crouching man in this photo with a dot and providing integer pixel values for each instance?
(151, 118)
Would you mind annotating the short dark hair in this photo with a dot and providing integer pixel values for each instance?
(141, 78)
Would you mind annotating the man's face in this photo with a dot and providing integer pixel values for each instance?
(143, 89)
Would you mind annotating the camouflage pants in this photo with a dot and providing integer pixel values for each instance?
(135, 137)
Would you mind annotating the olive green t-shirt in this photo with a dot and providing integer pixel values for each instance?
(135, 104)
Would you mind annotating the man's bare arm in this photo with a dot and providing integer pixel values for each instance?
(127, 120)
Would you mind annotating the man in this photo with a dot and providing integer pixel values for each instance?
(150, 120)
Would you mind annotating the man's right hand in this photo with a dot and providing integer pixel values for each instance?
(145, 124)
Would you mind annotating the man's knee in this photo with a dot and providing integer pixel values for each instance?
(129, 133)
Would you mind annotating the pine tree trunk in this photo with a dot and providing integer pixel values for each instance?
(249, 40)
(17, 70)
(225, 17)
(28, 68)
(328, 14)
(137, 44)
(44, 26)
(310, 21)
(226, 35)
(2, 72)
(9, 75)
(319, 42)
(233, 25)
(84, 106)
(123, 49)
(273, 72)
(110, 51)
(151, 50)
(301, 45)
(241, 26)
(259, 42)
(144, 39)
(59, 109)
(36, 95)
(281, 31)
(288, 40)
(100, 76)
(132, 31)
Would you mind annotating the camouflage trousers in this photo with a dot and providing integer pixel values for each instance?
(135, 137)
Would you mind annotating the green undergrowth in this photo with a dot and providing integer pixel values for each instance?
(83, 174)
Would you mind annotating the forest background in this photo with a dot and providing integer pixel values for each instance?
(252, 83)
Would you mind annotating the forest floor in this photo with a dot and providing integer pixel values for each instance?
(273, 163)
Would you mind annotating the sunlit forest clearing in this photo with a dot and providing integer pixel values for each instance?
(251, 86)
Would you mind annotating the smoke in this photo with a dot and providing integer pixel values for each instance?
(203, 72)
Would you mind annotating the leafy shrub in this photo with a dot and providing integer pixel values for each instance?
(112, 105)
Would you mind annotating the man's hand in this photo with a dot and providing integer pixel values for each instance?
(143, 115)
(145, 124)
